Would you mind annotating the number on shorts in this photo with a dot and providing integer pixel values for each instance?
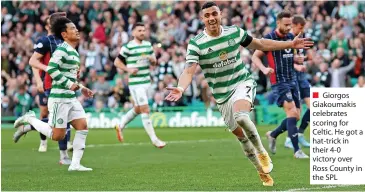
(249, 89)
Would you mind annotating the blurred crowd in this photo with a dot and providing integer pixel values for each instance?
(336, 60)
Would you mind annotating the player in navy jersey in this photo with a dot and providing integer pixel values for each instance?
(300, 57)
(284, 83)
(43, 50)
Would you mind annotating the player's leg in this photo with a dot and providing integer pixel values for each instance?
(248, 149)
(250, 152)
(292, 110)
(68, 138)
(62, 145)
(55, 129)
(128, 117)
(77, 118)
(147, 124)
(305, 94)
(279, 90)
(242, 105)
(43, 100)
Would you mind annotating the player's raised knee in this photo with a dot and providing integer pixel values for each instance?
(58, 136)
(145, 109)
(242, 118)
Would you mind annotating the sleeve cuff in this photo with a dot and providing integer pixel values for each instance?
(69, 83)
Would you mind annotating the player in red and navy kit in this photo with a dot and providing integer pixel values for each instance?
(43, 50)
(300, 57)
(284, 82)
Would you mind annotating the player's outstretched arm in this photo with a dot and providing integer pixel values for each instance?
(184, 81)
(272, 45)
(55, 73)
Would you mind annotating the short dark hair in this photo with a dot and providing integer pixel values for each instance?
(53, 18)
(284, 14)
(138, 24)
(208, 5)
(298, 19)
(60, 26)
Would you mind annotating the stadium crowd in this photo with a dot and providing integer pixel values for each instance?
(337, 59)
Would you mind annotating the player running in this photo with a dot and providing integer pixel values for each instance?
(298, 24)
(63, 105)
(43, 50)
(216, 50)
(284, 82)
(135, 58)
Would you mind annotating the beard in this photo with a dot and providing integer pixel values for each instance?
(140, 38)
(283, 31)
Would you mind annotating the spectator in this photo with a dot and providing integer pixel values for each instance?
(338, 73)
(104, 27)
(22, 101)
(360, 82)
(101, 88)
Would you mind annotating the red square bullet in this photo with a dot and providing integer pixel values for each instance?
(315, 95)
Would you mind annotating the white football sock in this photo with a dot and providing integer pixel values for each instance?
(41, 127)
(79, 146)
(63, 154)
(147, 124)
(243, 120)
(44, 142)
(250, 152)
(27, 128)
(128, 117)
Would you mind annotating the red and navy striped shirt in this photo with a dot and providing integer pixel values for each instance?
(46, 45)
(282, 61)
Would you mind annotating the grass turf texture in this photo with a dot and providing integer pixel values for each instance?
(195, 159)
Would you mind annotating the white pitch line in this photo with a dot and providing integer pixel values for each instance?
(149, 143)
(323, 187)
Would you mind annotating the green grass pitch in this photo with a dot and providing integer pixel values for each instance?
(206, 159)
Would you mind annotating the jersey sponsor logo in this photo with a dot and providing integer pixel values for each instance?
(223, 56)
(288, 53)
(39, 45)
(231, 42)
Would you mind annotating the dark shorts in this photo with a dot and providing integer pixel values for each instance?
(43, 97)
(288, 91)
(304, 89)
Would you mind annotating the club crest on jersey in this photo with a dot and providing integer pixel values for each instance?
(223, 55)
(39, 45)
(289, 95)
(73, 71)
(231, 42)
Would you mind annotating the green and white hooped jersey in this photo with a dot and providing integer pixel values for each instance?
(136, 56)
(219, 57)
(63, 67)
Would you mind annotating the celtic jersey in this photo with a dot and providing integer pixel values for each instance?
(63, 68)
(219, 57)
(137, 56)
